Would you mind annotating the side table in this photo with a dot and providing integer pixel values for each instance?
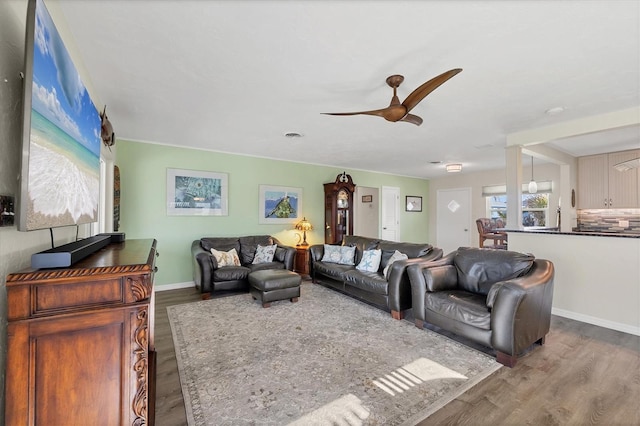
(301, 265)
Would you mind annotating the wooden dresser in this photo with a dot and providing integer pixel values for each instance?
(80, 340)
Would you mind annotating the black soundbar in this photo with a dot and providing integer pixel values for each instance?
(68, 254)
(116, 237)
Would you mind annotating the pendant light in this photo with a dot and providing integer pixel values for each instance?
(533, 186)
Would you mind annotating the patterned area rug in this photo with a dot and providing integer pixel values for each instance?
(328, 359)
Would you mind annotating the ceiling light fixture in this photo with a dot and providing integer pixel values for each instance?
(533, 186)
(454, 167)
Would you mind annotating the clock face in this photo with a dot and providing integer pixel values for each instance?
(343, 199)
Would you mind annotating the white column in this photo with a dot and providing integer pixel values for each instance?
(514, 186)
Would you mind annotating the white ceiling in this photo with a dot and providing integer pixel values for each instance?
(234, 76)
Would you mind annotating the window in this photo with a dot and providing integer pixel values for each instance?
(100, 225)
(535, 208)
(497, 207)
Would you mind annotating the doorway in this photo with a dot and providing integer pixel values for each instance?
(366, 207)
(390, 213)
(453, 219)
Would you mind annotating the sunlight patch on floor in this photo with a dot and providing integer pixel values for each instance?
(346, 410)
(415, 373)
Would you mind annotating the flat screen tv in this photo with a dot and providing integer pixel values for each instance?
(60, 169)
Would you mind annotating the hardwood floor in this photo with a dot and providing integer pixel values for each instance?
(583, 375)
(169, 402)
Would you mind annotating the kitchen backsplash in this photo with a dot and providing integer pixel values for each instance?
(609, 220)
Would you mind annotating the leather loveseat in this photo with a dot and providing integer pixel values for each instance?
(500, 299)
(209, 276)
(390, 291)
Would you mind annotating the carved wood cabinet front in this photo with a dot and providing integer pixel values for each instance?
(80, 340)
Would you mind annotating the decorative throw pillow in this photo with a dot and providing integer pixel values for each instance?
(331, 254)
(226, 258)
(395, 256)
(264, 254)
(370, 261)
(347, 255)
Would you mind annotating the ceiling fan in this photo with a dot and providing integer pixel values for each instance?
(397, 111)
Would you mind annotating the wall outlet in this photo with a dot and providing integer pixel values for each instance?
(623, 223)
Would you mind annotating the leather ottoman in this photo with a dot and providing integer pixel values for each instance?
(271, 285)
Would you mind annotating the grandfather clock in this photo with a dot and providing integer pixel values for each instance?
(338, 208)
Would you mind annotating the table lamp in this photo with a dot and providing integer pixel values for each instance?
(304, 225)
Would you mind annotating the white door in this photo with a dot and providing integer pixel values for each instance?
(453, 218)
(390, 213)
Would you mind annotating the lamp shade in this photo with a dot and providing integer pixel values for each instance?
(304, 225)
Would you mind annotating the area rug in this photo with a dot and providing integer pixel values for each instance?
(327, 359)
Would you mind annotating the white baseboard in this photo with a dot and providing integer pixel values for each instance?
(174, 286)
(625, 328)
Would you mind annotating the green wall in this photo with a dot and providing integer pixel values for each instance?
(143, 169)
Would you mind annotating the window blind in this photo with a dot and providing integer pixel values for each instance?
(544, 186)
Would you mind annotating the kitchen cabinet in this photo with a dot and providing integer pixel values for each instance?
(624, 186)
(601, 186)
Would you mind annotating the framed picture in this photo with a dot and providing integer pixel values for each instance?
(197, 193)
(280, 204)
(367, 198)
(413, 204)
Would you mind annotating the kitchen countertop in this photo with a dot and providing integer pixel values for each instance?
(584, 233)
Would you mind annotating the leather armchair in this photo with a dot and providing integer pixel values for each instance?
(500, 299)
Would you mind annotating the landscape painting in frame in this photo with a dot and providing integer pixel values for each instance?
(196, 193)
(280, 204)
(64, 149)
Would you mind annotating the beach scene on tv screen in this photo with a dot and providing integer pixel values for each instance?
(64, 148)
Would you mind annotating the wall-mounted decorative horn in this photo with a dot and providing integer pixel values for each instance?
(106, 132)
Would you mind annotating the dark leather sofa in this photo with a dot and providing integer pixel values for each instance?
(209, 277)
(500, 299)
(394, 294)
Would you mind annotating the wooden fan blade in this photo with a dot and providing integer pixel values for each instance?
(378, 112)
(419, 94)
(414, 119)
(390, 113)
